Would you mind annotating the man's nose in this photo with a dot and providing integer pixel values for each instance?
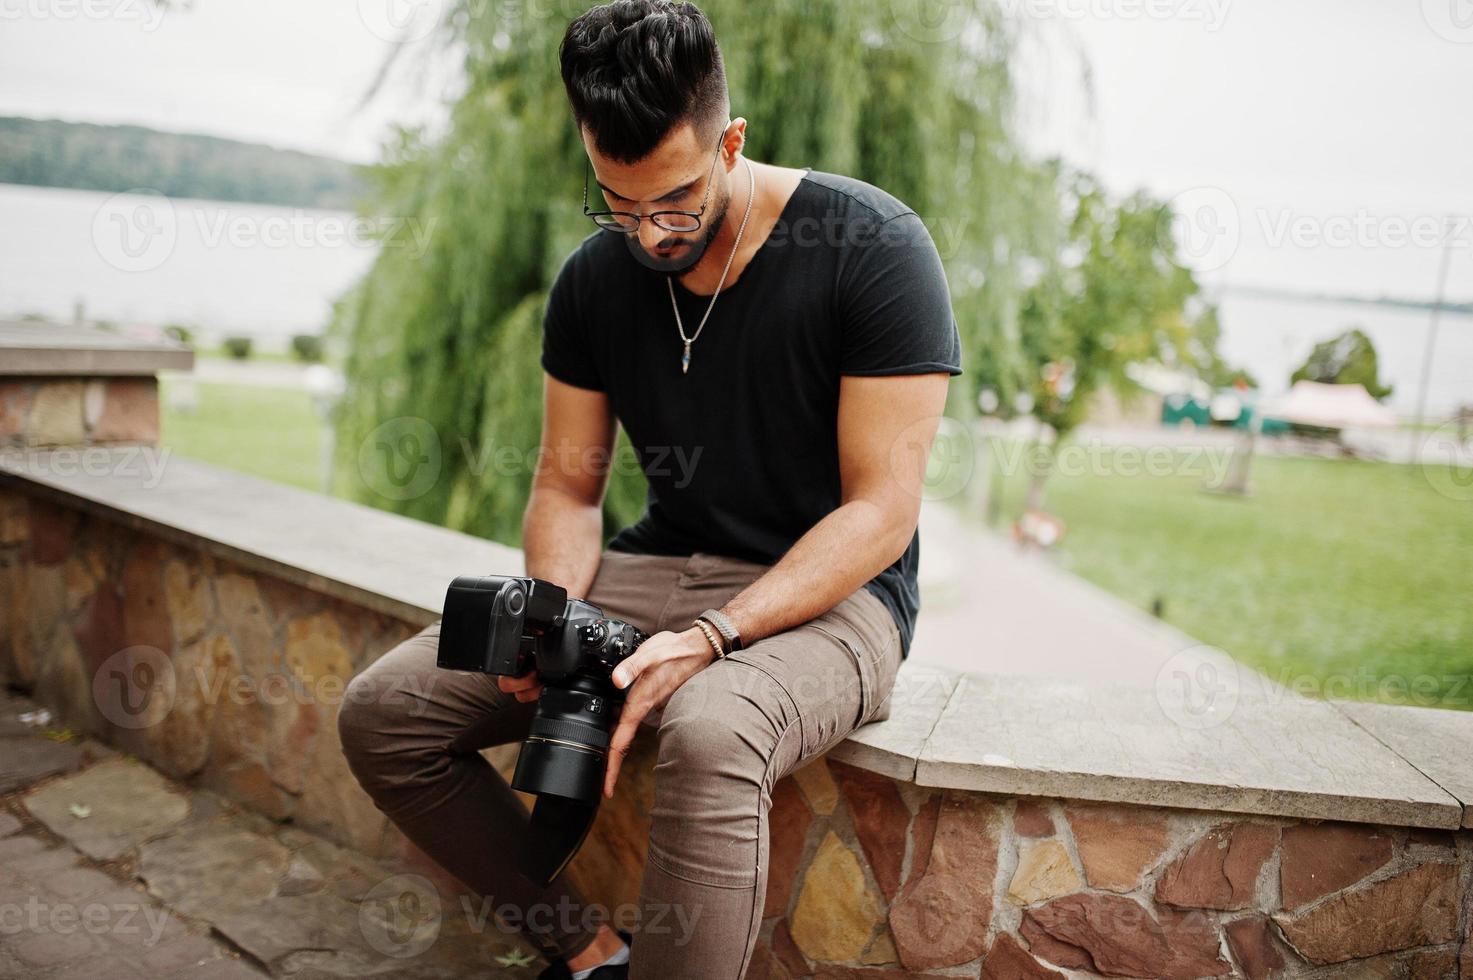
(651, 234)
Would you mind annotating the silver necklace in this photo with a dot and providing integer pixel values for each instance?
(670, 284)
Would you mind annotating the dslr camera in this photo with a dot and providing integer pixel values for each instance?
(508, 625)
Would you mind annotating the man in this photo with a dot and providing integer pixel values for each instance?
(777, 345)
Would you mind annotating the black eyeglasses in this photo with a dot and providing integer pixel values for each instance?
(627, 222)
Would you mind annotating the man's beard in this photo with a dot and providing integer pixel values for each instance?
(686, 259)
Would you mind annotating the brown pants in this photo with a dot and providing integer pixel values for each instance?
(411, 734)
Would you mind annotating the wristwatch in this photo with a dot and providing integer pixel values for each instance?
(731, 640)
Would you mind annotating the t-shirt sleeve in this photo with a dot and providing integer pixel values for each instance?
(894, 304)
(566, 352)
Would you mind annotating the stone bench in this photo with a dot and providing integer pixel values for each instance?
(208, 622)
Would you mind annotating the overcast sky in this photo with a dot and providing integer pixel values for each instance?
(1315, 144)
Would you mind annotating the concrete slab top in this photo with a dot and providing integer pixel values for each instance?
(391, 564)
(1269, 752)
(42, 348)
(1437, 741)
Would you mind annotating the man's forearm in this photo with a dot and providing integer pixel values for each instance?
(561, 539)
(839, 554)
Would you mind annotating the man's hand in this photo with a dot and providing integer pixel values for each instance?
(653, 673)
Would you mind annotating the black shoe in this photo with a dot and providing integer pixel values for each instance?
(558, 969)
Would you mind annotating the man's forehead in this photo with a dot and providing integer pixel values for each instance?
(680, 158)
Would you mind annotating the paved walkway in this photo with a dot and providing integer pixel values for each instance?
(109, 870)
(990, 607)
(266, 374)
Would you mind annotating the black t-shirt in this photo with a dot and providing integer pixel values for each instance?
(742, 452)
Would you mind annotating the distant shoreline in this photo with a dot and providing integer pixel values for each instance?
(117, 158)
(1391, 302)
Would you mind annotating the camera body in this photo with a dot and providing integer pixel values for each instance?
(508, 625)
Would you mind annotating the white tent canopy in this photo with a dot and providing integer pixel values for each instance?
(1347, 406)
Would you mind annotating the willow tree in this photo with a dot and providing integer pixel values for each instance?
(443, 404)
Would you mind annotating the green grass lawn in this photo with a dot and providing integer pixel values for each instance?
(1339, 578)
(269, 432)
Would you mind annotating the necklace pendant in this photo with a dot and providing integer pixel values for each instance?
(685, 359)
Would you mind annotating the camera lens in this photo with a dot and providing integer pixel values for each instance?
(568, 742)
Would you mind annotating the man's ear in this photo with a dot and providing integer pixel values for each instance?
(734, 141)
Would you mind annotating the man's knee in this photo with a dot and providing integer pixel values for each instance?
(365, 719)
(382, 720)
(723, 721)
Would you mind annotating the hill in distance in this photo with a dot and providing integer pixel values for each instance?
(89, 156)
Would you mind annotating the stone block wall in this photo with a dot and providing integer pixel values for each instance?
(231, 679)
(228, 679)
(78, 411)
(878, 878)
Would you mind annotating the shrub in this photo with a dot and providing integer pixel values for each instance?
(238, 347)
(180, 334)
(307, 347)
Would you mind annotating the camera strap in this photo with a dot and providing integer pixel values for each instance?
(558, 828)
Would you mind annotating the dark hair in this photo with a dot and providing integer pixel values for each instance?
(634, 69)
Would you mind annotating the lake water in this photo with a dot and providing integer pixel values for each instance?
(272, 272)
(217, 266)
